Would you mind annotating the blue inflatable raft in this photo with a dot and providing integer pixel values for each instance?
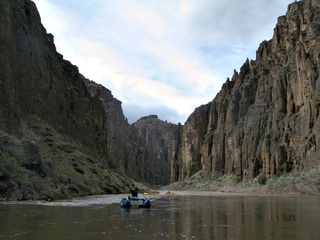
(135, 201)
(125, 203)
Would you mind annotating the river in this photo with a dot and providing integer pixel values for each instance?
(187, 215)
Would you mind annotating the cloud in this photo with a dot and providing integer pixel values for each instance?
(145, 18)
(234, 20)
(160, 57)
(140, 88)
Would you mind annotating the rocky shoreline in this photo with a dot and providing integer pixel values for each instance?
(306, 181)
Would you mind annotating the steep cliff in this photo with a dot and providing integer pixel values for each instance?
(140, 151)
(266, 118)
(53, 134)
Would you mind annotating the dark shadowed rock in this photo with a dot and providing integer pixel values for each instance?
(49, 122)
(157, 135)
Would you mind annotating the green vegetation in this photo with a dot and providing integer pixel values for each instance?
(262, 179)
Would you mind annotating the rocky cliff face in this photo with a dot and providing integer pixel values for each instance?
(53, 134)
(266, 118)
(36, 80)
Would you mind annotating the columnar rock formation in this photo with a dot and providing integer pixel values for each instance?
(266, 118)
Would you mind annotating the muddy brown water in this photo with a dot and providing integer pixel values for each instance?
(187, 215)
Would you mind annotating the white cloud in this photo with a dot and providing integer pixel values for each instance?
(53, 18)
(144, 18)
(186, 7)
(160, 57)
(101, 64)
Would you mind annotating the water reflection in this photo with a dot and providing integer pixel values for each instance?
(179, 217)
(248, 218)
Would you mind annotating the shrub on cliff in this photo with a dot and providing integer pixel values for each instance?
(262, 179)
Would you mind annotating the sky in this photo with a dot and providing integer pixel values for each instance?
(163, 57)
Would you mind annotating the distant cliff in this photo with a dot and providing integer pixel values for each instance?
(140, 151)
(265, 119)
(157, 135)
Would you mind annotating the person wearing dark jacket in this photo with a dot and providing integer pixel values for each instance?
(134, 191)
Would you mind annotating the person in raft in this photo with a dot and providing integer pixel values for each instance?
(134, 191)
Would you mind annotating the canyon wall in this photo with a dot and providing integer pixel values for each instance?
(35, 79)
(53, 133)
(140, 151)
(265, 119)
(157, 135)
